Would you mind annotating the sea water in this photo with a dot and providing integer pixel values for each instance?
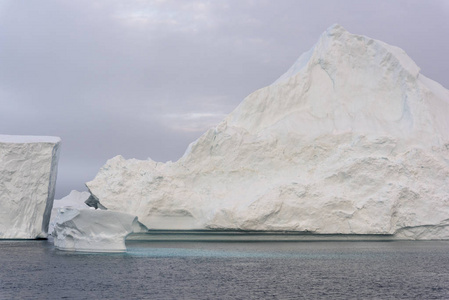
(228, 270)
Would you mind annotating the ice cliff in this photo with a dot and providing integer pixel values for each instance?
(28, 169)
(351, 140)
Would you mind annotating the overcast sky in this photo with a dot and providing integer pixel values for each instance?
(145, 78)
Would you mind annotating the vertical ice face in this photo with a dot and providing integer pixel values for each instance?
(28, 170)
(352, 139)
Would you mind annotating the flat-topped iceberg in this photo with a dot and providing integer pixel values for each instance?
(93, 230)
(28, 169)
(351, 140)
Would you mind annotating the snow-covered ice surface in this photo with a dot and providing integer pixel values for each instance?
(93, 230)
(75, 200)
(28, 170)
(351, 140)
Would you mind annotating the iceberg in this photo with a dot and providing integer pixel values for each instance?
(91, 230)
(28, 170)
(353, 139)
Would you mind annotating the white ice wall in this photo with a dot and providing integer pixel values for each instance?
(28, 170)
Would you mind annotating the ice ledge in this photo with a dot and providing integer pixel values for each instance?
(423, 233)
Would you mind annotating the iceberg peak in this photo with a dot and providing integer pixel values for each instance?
(335, 30)
(337, 46)
(345, 83)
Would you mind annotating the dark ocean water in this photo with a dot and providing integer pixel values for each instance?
(232, 270)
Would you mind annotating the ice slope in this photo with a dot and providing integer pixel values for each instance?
(351, 140)
(28, 169)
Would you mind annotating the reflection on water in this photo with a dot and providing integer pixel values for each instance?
(235, 250)
(228, 270)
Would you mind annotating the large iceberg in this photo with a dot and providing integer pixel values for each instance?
(351, 140)
(93, 230)
(28, 169)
